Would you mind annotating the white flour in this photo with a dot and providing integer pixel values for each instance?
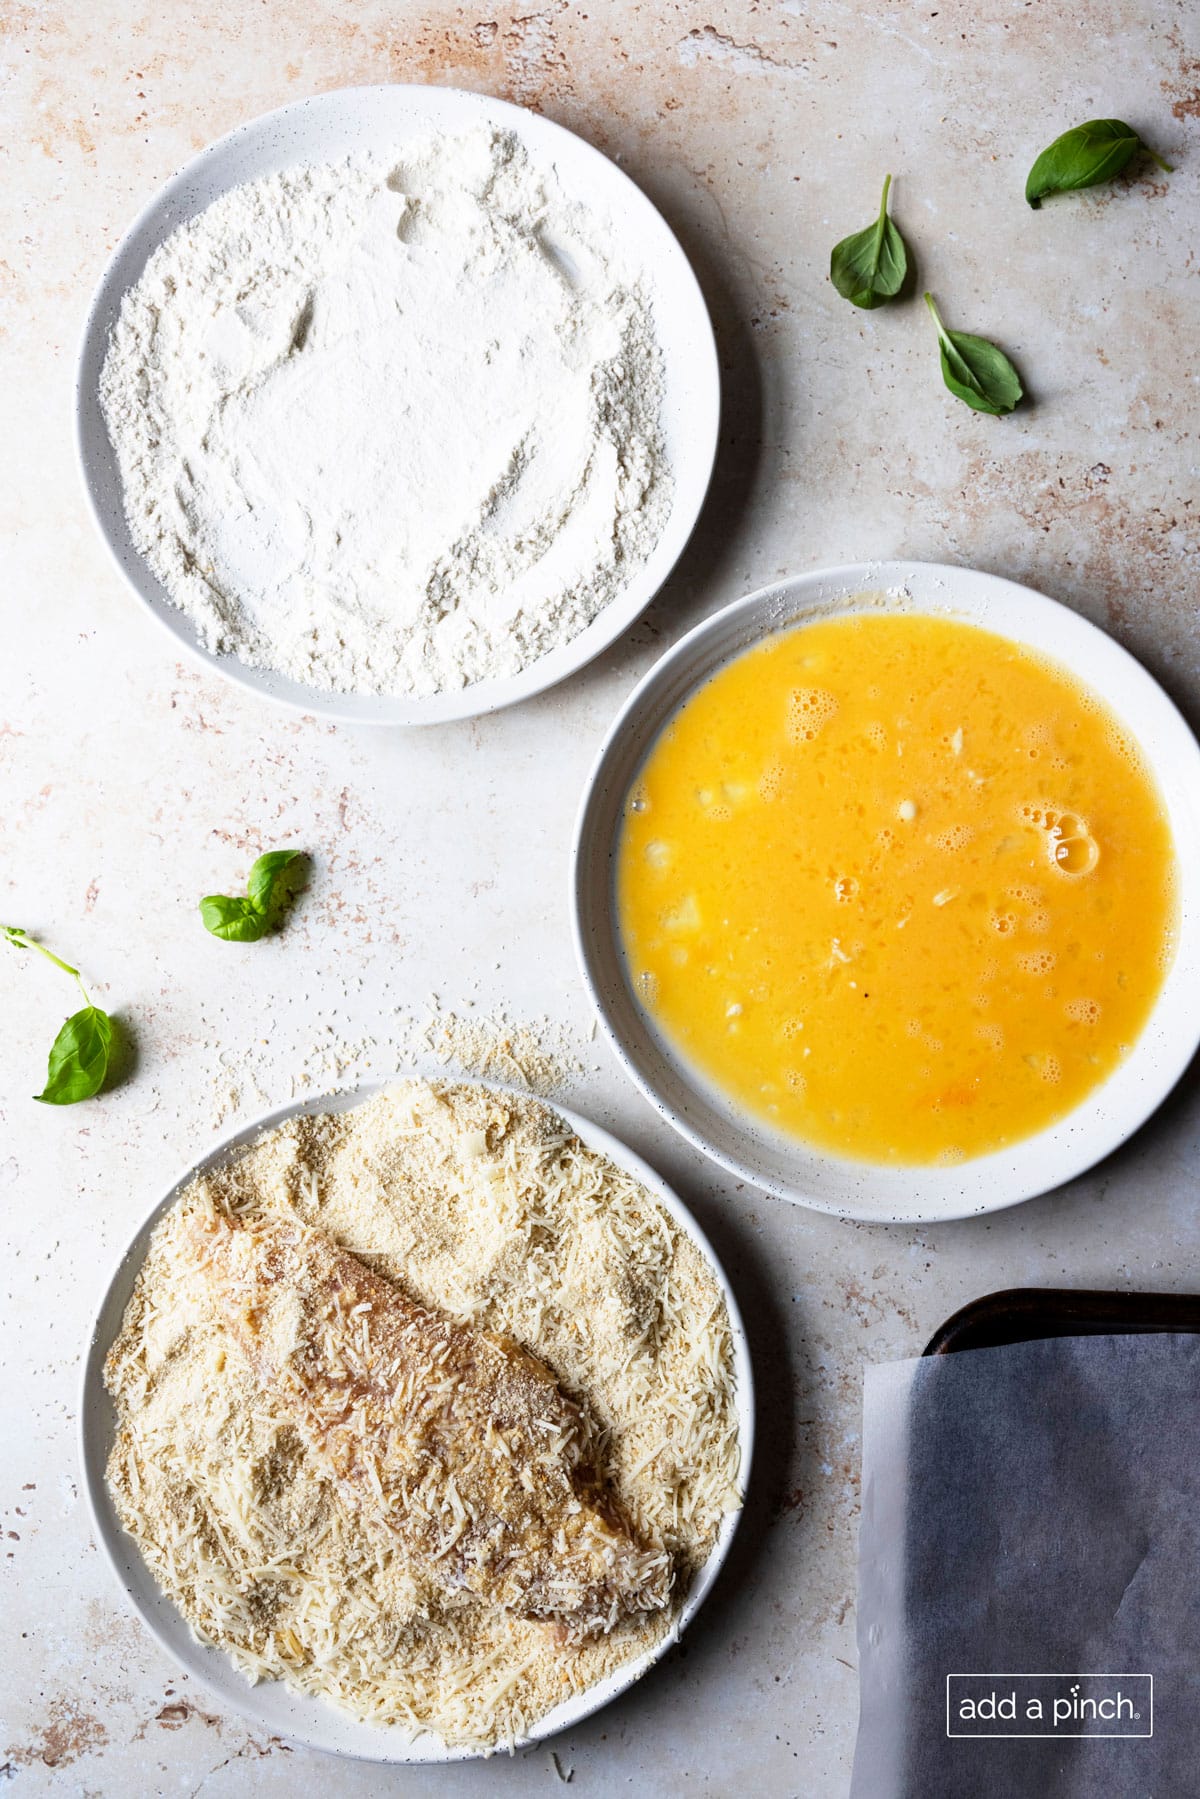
(390, 425)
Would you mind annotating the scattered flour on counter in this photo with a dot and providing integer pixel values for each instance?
(391, 424)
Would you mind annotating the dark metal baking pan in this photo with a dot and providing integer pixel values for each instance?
(1026, 1314)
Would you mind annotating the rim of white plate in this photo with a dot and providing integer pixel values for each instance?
(785, 1167)
(316, 1723)
(322, 127)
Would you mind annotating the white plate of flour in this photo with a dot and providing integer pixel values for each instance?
(398, 405)
(270, 1705)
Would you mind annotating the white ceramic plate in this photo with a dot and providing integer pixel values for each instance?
(321, 129)
(272, 1706)
(784, 1166)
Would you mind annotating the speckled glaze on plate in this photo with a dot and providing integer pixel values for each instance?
(786, 1166)
(320, 129)
(273, 1707)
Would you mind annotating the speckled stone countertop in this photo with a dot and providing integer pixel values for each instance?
(131, 784)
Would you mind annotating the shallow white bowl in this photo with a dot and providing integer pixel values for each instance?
(272, 1706)
(322, 129)
(785, 1166)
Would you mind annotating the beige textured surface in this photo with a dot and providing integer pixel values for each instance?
(131, 786)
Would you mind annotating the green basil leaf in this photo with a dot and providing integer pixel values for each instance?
(262, 888)
(869, 267)
(79, 1058)
(979, 373)
(975, 370)
(234, 920)
(245, 920)
(81, 1053)
(1085, 156)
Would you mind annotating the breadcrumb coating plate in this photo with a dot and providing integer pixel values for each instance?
(271, 1705)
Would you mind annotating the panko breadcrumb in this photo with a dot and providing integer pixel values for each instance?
(483, 1207)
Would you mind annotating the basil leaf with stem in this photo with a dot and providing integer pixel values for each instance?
(869, 267)
(79, 1058)
(81, 1053)
(1084, 157)
(976, 370)
(238, 920)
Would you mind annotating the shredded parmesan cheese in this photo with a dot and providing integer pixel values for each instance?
(487, 1208)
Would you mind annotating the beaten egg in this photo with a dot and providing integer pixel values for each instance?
(897, 886)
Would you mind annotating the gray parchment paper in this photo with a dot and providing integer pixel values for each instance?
(1035, 1508)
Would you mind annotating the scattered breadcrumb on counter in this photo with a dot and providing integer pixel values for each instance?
(537, 1054)
(486, 1209)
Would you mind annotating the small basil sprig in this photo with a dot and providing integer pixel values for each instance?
(976, 370)
(239, 920)
(1084, 157)
(869, 267)
(81, 1053)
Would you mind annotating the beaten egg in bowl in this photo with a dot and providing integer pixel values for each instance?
(898, 887)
